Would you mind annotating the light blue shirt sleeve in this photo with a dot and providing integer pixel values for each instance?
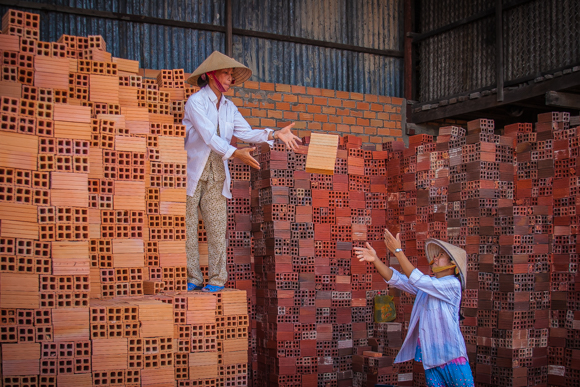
(401, 282)
(445, 289)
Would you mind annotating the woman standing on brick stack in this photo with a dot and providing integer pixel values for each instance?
(211, 121)
(434, 337)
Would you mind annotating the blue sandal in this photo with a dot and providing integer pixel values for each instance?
(192, 287)
(212, 288)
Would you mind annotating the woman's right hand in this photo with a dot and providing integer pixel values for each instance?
(245, 156)
(367, 254)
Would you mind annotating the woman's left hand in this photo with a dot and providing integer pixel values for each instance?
(287, 137)
(392, 242)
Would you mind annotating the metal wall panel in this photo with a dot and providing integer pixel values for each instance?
(539, 36)
(364, 23)
(373, 24)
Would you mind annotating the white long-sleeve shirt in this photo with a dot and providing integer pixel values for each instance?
(434, 318)
(201, 119)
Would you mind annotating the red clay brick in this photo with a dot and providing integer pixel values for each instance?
(377, 107)
(370, 130)
(253, 121)
(259, 113)
(245, 112)
(377, 123)
(343, 112)
(290, 116)
(328, 93)
(251, 104)
(313, 109)
(298, 89)
(391, 109)
(371, 98)
(364, 138)
(320, 101)
(369, 114)
(383, 132)
(384, 99)
(306, 117)
(334, 102)
(356, 113)
(275, 114)
(357, 129)
(363, 121)
(283, 88)
(383, 116)
(299, 125)
(343, 128)
(268, 123)
(329, 127)
(267, 105)
(349, 104)
(282, 106)
(329, 110)
(397, 101)
(257, 96)
(334, 119)
(356, 96)
(275, 97)
(304, 99)
(313, 91)
(363, 106)
(396, 132)
(290, 98)
(299, 108)
(303, 133)
(237, 101)
(252, 85)
(349, 120)
(376, 140)
(396, 117)
(266, 86)
(321, 117)
(343, 94)
(389, 124)
(314, 125)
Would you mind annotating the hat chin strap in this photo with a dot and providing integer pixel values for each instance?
(443, 268)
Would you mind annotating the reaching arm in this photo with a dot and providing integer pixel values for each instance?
(394, 278)
(394, 246)
(369, 254)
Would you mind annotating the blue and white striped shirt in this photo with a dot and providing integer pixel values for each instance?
(434, 318)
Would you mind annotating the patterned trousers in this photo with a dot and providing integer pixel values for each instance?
(213, 205)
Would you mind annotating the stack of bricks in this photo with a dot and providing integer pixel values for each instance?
(314, 302)
(92, 223)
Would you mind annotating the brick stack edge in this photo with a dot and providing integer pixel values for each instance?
(92, 261)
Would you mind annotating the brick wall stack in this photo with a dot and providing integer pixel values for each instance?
(92, 225)
(314, 302)
(373, 119)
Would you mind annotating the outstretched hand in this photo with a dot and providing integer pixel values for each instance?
(245, 156)
(367, 254)
(392, 242)
(287, 137)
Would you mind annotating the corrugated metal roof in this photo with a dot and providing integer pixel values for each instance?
(368, 23)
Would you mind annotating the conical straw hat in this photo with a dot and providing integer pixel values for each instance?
(457, 254)
(218, 61)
